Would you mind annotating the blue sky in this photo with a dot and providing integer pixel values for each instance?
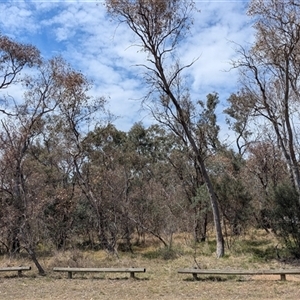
(91, 42)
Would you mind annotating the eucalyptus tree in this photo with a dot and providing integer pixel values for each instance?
(60, 192)
(160, 26)
(26, 129)
(239, 120)
(15, 138)
(20, 130)
(266, 170)
(108, 169)
(77, 115)
(157, 196)
(232, 186)
(131, 173)
(14, 57)
(270, 75)
(185, 170)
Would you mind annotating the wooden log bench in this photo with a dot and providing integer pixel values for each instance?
(70, 271)
(282, 272)
(13, 269)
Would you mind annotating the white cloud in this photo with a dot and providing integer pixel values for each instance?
(103, 50)
(16, 19)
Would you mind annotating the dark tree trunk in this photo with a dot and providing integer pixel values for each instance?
(33, 256)
(200, 229)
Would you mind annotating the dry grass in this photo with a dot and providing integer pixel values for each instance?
(161, 280)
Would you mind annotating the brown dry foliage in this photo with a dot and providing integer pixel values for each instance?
(13, 57)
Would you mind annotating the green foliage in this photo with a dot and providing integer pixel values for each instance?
(234, 197)
(166, 253)
(258, 249)
(235, 202)
(286, 217)
(207, 124)
(207, 248)
(58, 218)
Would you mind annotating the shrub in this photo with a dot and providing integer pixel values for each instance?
(286, 218)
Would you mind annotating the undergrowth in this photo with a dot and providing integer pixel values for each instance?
(255, 249)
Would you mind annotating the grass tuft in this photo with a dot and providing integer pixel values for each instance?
(165, 253)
